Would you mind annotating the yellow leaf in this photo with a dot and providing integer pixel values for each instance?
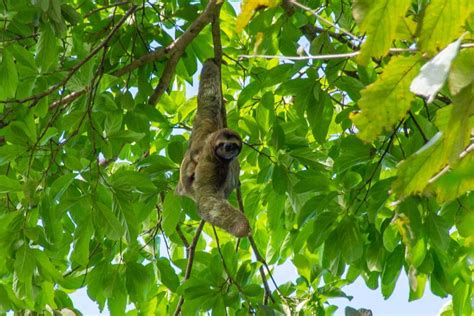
(380, 26)
(456, 182)
(386, 101)
(442, 23)
(248, 7)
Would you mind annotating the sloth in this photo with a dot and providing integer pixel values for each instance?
(210, 170)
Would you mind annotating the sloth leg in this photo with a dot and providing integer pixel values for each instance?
(221, 213)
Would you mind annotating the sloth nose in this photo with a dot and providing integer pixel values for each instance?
(229, 146)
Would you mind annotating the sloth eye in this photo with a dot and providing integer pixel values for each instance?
(230, 146)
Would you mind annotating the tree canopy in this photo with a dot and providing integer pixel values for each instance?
(357, 119)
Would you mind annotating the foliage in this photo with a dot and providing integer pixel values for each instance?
(345, 172)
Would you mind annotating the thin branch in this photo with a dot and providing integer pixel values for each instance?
(258, 255)
(177, 49)
(335, 56)
(260, 152)
(183, 238)
(165, 78)
(320, 18)
(230, 279)
(189, 266)
(310, 57)
(69, 98)
(425, 139)
(448, 167)
(117, 4)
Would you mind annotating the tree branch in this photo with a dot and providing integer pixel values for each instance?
(178, 45)
(189, 266)
(76, 67)
(177, 48)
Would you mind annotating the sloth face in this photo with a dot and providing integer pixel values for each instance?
(227, 150)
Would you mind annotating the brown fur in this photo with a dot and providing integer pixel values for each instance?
(210, 170)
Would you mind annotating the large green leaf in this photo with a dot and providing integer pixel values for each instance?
(47, 50)
(9, 77)
(171, 212)
(8, 185)
(386, 101)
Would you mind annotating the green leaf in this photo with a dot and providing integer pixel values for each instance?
(47, 269)
(460, 124)
(70, 14)
(455, 182)
(253, 290)
(462, 299)
(117, 299)
(461, 75)
(167, 274)
(465, 222)
(157, 163)
(386, 101)
(319, 116)
(442, 22)
(353, 152)
(9, 185)
(82, 238)
(24, 263)
(10, 152)
(60, 185)
(47, 52)
(324, 224)
(171, 212)
(280, 179)
(24, 58)
(127, 136)
(113, 123)
(415, 254)
(230, 258)
(351, 238)
(128, 180)
(9, 77)
(414, 173)
(391, 271)
(438, 231)
(113, 228)
(391, 237)
(139, 281)
(379, 25)
(417, 285)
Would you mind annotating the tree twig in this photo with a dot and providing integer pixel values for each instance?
(258, 256)
(177, 48)
(320, 18)
(189, 266)
(105, 7)
(425, 139)
(226, 269)
(335, 56)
